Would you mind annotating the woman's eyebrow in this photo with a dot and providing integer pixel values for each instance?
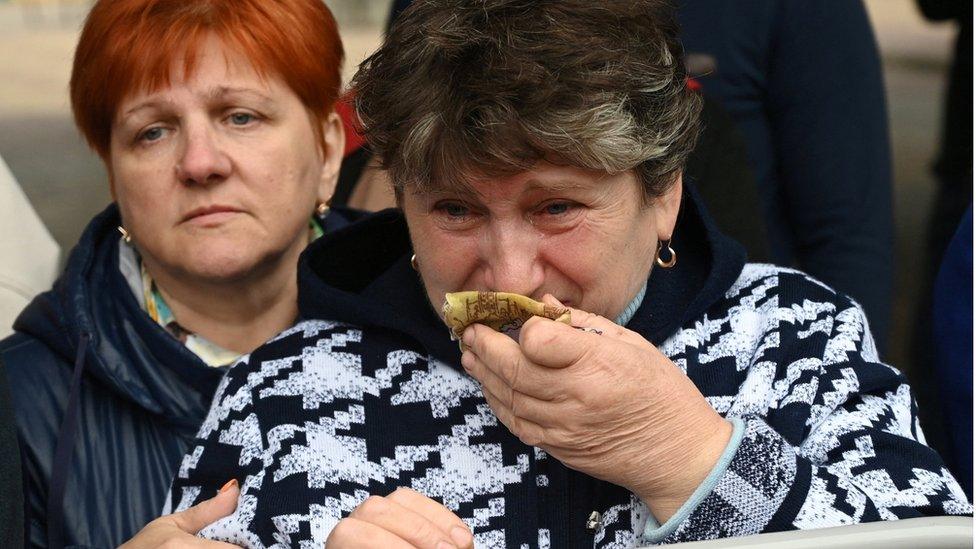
(149, 104)
(223, 92)
(458, 191)
(560, 184)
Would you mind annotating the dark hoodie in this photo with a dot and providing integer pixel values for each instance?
(106, 401)
(363, 276)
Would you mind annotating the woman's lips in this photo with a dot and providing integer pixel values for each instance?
(211, 216)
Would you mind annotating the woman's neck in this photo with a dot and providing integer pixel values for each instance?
(238, 316)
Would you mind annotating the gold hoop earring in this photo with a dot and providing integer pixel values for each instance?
(125, 234)
(671, 260)
(322, 208)
(413, 262)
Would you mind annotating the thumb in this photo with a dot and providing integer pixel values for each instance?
(588, 322)
(205, 513)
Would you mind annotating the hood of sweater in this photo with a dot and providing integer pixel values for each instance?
(362, 275)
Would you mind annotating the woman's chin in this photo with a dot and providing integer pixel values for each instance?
(223, 265)
(223, 258)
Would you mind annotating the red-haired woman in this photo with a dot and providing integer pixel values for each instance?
(215, 122)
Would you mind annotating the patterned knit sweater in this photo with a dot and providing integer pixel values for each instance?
(329, 413)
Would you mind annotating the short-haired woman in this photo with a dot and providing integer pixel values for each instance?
(215, 122)
(536, 147)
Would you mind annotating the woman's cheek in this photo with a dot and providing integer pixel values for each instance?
(456, 258)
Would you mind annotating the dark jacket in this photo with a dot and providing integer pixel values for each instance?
(106, 401)
(953, 349)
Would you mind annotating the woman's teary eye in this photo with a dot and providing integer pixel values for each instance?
(452, 209)
(557, 208)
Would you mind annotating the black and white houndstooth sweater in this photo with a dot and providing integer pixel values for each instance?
(332, 411)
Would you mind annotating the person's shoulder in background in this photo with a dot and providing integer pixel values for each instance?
(29, 256)
(952, 323)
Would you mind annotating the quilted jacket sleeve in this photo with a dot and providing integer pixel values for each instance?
(840, 443)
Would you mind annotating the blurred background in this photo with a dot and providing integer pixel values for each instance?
(66, 183)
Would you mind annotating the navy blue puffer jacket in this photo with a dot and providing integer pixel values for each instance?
(106, 401)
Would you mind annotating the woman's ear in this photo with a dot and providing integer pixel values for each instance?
(335, 140)
(113, 190)
(667, 206)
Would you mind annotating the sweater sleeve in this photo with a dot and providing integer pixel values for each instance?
(840, 445)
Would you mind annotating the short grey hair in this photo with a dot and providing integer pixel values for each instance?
(467, 89)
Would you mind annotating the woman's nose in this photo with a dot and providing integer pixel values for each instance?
(512, 261)
(203, 160)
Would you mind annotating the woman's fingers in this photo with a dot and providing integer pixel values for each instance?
(510, 380)
(352, 533)
(590, 322)
(555, 345)
(180, 529)
(410, 517)
(526, 430)
(503, 357)
(207, 512)
(441, 516)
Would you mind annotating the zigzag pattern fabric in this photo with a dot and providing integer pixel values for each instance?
(327, 414)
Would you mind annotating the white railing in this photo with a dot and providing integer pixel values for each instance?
(916, 533)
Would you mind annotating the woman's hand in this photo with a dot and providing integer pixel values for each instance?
(180, 529)
(404, 519)
(602, 400)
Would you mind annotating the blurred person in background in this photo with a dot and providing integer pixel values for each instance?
(28, 264)
(28, 255)
(952, 320)
(803, 82)
(953, 165)
(215, 121)
(953, 170)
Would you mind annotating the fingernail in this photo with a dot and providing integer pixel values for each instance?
(461, 536)
(468, 336)
(230, 484)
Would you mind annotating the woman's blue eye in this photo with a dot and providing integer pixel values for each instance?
(241, 118)
(152, 134)
(557, 208)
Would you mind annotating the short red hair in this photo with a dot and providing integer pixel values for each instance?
(131, 45)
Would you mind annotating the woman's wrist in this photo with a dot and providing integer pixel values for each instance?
(690, 461)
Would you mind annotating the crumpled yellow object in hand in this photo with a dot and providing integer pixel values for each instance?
(500, 311)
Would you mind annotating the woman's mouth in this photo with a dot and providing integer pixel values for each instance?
(210, 216)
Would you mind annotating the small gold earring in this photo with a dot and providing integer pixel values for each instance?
(413, 262)
(673, 255)
(322, 208)
(125, 234)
